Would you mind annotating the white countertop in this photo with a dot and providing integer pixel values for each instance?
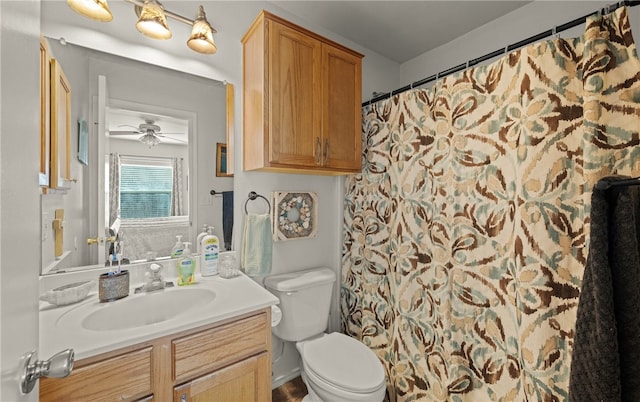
(59, 329)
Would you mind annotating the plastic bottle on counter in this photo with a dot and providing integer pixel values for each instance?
(186, 267)
(209, 251)
(178, 248)
(199, 238)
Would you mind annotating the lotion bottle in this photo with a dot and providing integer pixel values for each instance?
(186, 267)
(199, 238)
(209, 251)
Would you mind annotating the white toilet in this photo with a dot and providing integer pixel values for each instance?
(335, 367)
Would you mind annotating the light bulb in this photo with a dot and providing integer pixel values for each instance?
(94, 9)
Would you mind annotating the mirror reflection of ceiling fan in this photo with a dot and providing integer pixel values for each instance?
(150, 134)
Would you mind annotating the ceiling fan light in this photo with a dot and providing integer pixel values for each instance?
(152, 21)
(149, 139)
(201, 39)
(95, 9)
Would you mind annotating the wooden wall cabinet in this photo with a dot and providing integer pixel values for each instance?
(60, 127)
(302, 97)
(45, 112)
(226, 361)
(55, 122)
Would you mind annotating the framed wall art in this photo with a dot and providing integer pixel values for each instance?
(83, 142)
(221, 161)
(295, 215)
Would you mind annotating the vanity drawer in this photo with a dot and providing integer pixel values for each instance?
(205, 351)
(125, 377)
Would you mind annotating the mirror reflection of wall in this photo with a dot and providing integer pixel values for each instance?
(155, 90)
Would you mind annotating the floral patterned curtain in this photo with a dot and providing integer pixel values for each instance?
(114, 187)
(465, 236)
(177, 192)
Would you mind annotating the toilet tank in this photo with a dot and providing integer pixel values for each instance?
(305, 300)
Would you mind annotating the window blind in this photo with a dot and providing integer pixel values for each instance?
(145, 191)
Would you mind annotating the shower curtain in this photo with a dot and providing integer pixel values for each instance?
(465, 235)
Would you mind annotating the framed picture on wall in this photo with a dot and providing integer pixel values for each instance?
(83, 142)
(221, 161)
(295, 215)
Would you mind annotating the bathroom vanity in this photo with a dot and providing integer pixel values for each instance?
(219, 349)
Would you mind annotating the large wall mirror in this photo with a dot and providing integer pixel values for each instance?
(149, 171)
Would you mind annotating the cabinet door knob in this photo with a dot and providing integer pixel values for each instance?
(318, 151)
(326, 151)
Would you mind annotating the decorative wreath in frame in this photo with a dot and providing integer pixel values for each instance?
(295, 215)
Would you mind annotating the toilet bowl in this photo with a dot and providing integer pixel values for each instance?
(335, 367)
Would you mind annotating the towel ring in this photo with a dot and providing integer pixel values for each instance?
(252, 196)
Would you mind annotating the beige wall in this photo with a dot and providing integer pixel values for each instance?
(531, 19)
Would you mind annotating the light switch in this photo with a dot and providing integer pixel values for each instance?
(58, 226)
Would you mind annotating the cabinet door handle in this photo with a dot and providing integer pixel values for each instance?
(318, 151)
(326, 151)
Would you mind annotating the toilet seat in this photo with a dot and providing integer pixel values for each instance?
(344, 363)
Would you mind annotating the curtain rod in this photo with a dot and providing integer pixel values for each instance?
(505, 50)
(144, 156)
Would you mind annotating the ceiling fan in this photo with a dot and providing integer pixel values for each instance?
(151, 133)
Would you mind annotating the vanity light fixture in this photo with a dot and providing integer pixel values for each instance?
(152, 21)
(95, 9)
(201, 39)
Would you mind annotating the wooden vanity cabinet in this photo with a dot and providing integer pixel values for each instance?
(302, 98)
(229, 360)
(126, 376)
(241, 381)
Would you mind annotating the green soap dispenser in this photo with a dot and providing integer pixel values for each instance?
(186, 267)
(178, 248)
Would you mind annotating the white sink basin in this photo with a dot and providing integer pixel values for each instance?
(138, 310)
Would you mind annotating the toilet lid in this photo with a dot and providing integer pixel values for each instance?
(344, 362)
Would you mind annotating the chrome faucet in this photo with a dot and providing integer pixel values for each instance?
(154, 278)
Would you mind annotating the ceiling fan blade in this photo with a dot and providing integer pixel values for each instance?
(129, 125)
(172, 138)
(124, 132)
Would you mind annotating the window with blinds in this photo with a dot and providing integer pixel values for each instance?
(145, 191)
